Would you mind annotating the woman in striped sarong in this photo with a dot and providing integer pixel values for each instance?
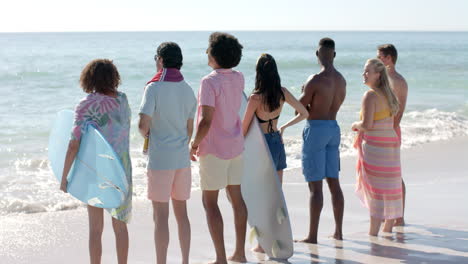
(379, 184)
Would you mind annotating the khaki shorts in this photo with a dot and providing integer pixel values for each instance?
(216, 173)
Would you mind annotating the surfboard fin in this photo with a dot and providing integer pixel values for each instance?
(280, 215)
(253, 234)
(275, 248)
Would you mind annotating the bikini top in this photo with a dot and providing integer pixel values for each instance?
(269, 121)
(380, 114)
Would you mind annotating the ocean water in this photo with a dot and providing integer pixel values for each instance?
(39, 75)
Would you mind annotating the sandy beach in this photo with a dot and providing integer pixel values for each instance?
(436, 215)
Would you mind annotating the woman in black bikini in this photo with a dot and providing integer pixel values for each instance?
(266, 103)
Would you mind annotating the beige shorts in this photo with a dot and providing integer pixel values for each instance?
(216, 173)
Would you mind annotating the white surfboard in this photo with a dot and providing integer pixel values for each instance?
(262, 193)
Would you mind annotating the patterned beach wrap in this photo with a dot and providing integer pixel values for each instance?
(112, 117)
(379, 184)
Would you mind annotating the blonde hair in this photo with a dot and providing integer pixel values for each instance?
(383, 84)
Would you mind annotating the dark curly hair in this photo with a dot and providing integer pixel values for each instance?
(171, 54)
(225, 49)
(268, 83)
(101, 76)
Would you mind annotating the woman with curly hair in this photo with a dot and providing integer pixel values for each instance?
(107, 109)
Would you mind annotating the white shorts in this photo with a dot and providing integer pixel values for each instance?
(216, 173)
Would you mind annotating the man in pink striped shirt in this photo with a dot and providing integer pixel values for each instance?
(219, 142)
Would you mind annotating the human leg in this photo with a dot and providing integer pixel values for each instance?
(161, 230)
(96, 226)
(121, 240)
(401, 221)
(181, 189)
(159, 191)
(183, 223)
(374, 226)
(314, 169)
(315, 208)
(215, 224)
(338, 206)
(332, 170)
(213, 177)
(240, 221)
(388, 225)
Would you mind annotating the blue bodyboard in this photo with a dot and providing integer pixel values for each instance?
(97, 176)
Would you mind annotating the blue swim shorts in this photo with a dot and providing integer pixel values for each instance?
(320, 151)
(276, 146)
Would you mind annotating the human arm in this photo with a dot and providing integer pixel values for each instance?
(368, 109)
(401, 92)
(308, 90)
(204, 125)
(206, 108)
(80, 123)
(301, 111)
(144, 125)
(147, 108)
(73, 147)
(190, 119)
(189, 129)
(252, 105)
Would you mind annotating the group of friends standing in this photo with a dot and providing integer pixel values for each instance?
(167, 115)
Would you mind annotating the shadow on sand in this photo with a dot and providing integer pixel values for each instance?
(419, 244)
(317, 258)
(439, 237)
(412, 244)
(406, 255)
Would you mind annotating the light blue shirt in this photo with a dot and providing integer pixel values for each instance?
(170, 105)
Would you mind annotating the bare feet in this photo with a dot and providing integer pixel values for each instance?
(218, 262)
(307, 240)
(387, 235)
(238, 258)
(258, 249)
(399, 222)
(337, 236)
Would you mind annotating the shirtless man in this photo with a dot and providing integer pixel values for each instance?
(388, 54)
(323, 95)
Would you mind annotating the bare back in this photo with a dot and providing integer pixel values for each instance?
(263, 113)
(323, 95)
(400, 89)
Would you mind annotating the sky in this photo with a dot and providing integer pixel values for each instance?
(201, 15)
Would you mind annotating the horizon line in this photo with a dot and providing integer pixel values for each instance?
(244, 30)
